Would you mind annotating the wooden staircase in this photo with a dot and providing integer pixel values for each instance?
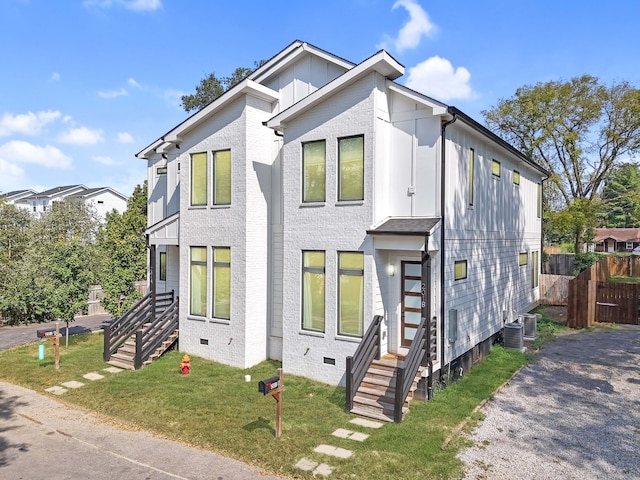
(375, 395)
(125, 355)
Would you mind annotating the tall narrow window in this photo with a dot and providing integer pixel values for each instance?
(523, 258)
(222, 282)
(313, 263)
(351, 293)
(539, 201)
(472, 161)
(534, 269)
(199, 179)
(516, 177)
(163, 265)
(496, 168)
(351, 159)
(313, 171)
(222, 177)
(198, 281)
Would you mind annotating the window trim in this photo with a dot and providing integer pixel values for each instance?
(323, 271)
(349, 272)
(339, 192)
(466, 270)
(496, 166)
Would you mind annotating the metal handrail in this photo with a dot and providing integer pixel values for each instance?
(358, 363)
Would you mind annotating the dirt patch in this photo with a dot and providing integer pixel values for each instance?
(556, 312)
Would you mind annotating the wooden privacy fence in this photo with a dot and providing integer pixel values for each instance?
(95, 295)
(560, 264)
(593, 298)
(554, 289)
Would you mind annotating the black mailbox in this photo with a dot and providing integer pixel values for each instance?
(268, 385)
(46, 333)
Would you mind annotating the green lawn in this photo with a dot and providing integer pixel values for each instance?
(214, 408)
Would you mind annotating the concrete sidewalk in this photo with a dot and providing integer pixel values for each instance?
(43, 438)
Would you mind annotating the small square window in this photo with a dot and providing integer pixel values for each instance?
(161, 171)
(460, 270)
(495, 168)
(523, 259)
(516, 177)
(629, 246)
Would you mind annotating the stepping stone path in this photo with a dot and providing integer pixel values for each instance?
(325, 470)
(58, 390)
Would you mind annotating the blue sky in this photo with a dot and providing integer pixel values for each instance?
(86, 84)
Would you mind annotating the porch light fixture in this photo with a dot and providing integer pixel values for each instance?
(391, 269)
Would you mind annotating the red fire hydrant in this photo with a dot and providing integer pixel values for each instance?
(185, 365)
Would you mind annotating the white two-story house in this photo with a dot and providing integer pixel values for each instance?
(317, 194)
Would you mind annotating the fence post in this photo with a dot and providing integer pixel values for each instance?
(349, 385)
(137, 360)
(399, 401)
(106, 353)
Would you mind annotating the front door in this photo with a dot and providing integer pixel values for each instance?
(411, 301)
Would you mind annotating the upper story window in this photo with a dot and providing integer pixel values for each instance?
(496, 169)
(313, 281)
(471, 165)
(516, 177)
(161, 170)
(351, 168)
(198, 179)
(314, 171)
(523, 258)
(222, 177)
(539, 201)
(460, 270)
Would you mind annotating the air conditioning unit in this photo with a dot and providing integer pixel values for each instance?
(514, 335)
(530, 323)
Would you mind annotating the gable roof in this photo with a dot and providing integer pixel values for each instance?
(17, 193)
(53, 192)
(617, 234)
(90, 192)
(251, 85)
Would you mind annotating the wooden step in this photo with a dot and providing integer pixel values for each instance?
(115, 363)
(371, 413)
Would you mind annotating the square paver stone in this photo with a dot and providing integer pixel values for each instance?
(323, 469)
(342, 433)
(93, 376)
(333, 451)
(363, 422)
(57, 390)
(113, 370)
(358, 437)
(73, 384)
(306, 464)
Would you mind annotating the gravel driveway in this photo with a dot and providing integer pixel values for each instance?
(573, 413)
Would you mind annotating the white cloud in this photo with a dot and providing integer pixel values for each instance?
(81, 136)
(125, 137)
(55, 76)
(437, 78)
(173, 97)
(12, 175)
(112, 93)
(104, 160)
(418, 25)
(133, 83)
(135, 5)
(26, 123)
(19, 151)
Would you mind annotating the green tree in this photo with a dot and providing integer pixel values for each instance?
(123, 243)
(621, 197)
(576, 222)
(578, 130)
(211, 87)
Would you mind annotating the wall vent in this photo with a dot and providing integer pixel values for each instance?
(204, 341)
(513, 335)
(329, 361)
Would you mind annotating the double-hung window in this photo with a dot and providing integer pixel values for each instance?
(222, 282)
(313, 299)
(198, 281)
(351, 168)
(314, 171)
(198, 179)
(222, 177)
(351, 293)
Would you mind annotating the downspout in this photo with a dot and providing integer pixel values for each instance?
(442, 227)
(426, 310)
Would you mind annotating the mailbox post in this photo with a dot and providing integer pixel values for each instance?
(273, 386)
(54, 336)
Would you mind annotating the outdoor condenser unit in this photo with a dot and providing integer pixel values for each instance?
(530, 323)
(513, 335)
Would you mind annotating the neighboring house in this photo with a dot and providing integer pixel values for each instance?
(16, 195)
(318, 193)
(615, 239)
(103, 199)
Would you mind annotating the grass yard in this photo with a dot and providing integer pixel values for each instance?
(215, 409)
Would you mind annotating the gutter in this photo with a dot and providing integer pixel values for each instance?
(442, 238)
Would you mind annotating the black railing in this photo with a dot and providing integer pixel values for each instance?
(149, 339)
(406, 373)
(119, 331)
(358, 364)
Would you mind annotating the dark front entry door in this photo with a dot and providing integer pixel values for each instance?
(411, 301)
